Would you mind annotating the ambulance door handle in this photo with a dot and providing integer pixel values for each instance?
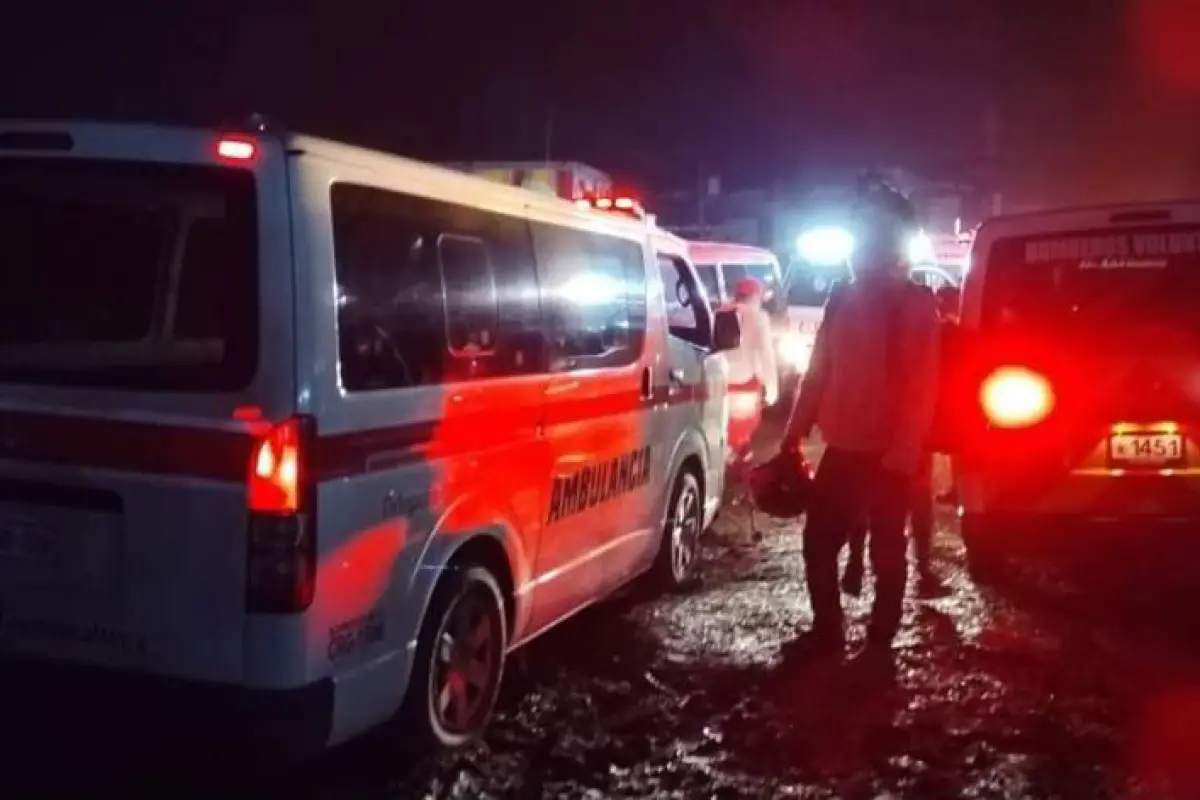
(647, 383)
(675, 378)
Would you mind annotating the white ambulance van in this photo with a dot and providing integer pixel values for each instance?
(296, 438)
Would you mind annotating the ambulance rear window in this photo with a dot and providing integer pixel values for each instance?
(127, 275)
(1130, 289)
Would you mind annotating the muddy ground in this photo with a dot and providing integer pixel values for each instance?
(688, 697)
(1038, 689)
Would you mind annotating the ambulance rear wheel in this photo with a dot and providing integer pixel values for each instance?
(678, 563)
(459, 661)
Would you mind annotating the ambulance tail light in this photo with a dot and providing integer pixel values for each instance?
(281, 556)
(1016, 397)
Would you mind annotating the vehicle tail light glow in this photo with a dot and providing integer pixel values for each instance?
(274, 482)
(235, 149)
(281, 557)
(1015, 397)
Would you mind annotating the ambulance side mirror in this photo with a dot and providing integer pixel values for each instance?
(727, 331)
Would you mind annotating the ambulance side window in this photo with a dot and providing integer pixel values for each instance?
(431, 292)
(472, 310)
(391, 326)
(491, 294)
(687, 316)
(593, 298)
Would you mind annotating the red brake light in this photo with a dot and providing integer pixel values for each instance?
(273, 485)
(236, 149)
(624, 203)
(604, 202)
(1015, 397)
(281, 541)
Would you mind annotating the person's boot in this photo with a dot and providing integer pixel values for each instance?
(822, 642)
(852, 579)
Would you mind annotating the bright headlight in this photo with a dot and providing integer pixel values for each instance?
(920, 249)
(825, 246)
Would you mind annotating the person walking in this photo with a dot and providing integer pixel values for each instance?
(871, 390)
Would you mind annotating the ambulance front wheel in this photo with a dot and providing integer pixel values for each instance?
(678, 563)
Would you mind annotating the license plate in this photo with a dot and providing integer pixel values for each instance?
(1145, 449)
(27, 544)
(49, 546)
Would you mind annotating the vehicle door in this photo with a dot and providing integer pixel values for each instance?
(696, 377)
(597, 401)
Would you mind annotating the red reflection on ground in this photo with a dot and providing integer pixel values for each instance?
(1164, 747)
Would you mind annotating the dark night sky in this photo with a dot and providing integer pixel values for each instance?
(1097, 98)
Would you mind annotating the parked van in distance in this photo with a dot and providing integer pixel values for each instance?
(1081, 349)
(297, 438)
(722, 264)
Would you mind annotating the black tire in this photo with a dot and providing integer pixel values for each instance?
(467, 599)
(677, 566)
(985, 556)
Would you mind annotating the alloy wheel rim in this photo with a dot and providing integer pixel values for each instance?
(465, 657)
(685, 528)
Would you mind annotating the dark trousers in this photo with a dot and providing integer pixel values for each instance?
(848, 487)
(920, 509)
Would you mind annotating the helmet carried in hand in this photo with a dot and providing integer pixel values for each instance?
(781, 487)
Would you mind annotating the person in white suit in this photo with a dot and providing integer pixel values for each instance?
(753, 363)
